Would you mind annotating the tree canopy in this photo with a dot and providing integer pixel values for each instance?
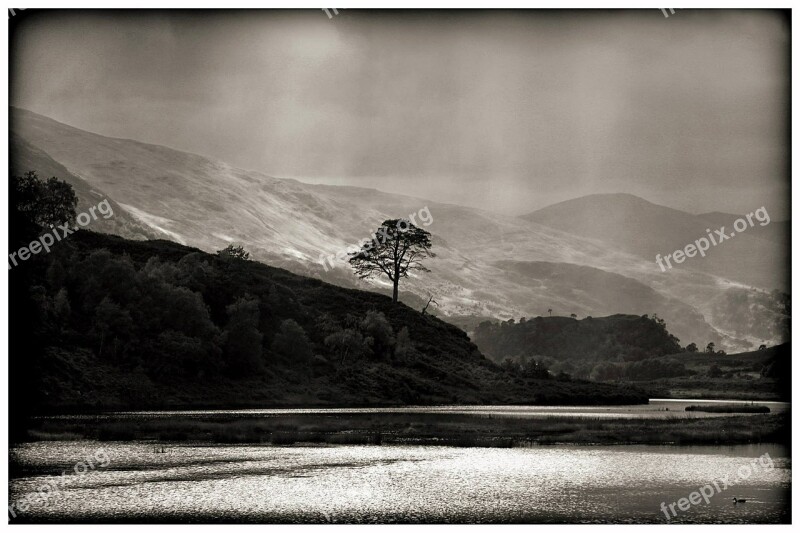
(37, 203)
(234, 251)
(397, 248)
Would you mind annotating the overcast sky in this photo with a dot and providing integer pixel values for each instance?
(508, 111)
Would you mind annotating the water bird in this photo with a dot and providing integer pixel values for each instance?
(739, 500)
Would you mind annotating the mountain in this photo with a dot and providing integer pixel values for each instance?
(639, 227)
(27, 157)
(590, 291)
(108, 323)
(478, 271)
(777, 231)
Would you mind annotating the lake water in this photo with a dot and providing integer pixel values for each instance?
(656, 408)
(197, 483)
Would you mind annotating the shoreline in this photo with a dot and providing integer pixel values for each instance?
(448, 429)
(388, 408)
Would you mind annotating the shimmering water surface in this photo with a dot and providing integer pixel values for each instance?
(197, 483)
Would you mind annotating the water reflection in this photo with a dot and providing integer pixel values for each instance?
(397, 483)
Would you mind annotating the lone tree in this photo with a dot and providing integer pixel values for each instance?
(397, 249)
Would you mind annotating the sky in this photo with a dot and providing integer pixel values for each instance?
(506, 111)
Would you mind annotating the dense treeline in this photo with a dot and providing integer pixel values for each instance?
(190, 318)
(617, 337)
(613, 348)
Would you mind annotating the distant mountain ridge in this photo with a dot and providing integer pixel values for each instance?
(478, 271)
(645, 229)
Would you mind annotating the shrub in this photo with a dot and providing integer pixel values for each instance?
(346, 344)
(376, 326)
(292, 343)
(233, 251)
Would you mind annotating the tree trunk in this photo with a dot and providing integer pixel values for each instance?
(394, 293)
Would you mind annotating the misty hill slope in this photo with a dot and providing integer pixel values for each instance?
(639, 227)
(207, 204)
(777, 231)
(108, 323)
(585, 290)
(26, 157)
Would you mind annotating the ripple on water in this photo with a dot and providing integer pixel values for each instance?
(395, 483)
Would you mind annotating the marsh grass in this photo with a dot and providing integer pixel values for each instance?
(440, 429)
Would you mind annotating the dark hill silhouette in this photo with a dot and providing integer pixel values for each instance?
(107, 323)
(626, 337)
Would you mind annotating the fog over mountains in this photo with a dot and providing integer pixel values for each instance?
(757, 256)
(593, 256)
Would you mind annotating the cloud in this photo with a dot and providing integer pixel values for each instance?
(503, 110)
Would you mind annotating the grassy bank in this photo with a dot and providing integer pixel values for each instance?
(429, 429)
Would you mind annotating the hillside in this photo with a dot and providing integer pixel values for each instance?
(616, 337)
(777, 231)
(757, 375)
(27, 157)
(636, 350)
(107, 323)
(587, 291)
(645, 229)
(203, 203)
